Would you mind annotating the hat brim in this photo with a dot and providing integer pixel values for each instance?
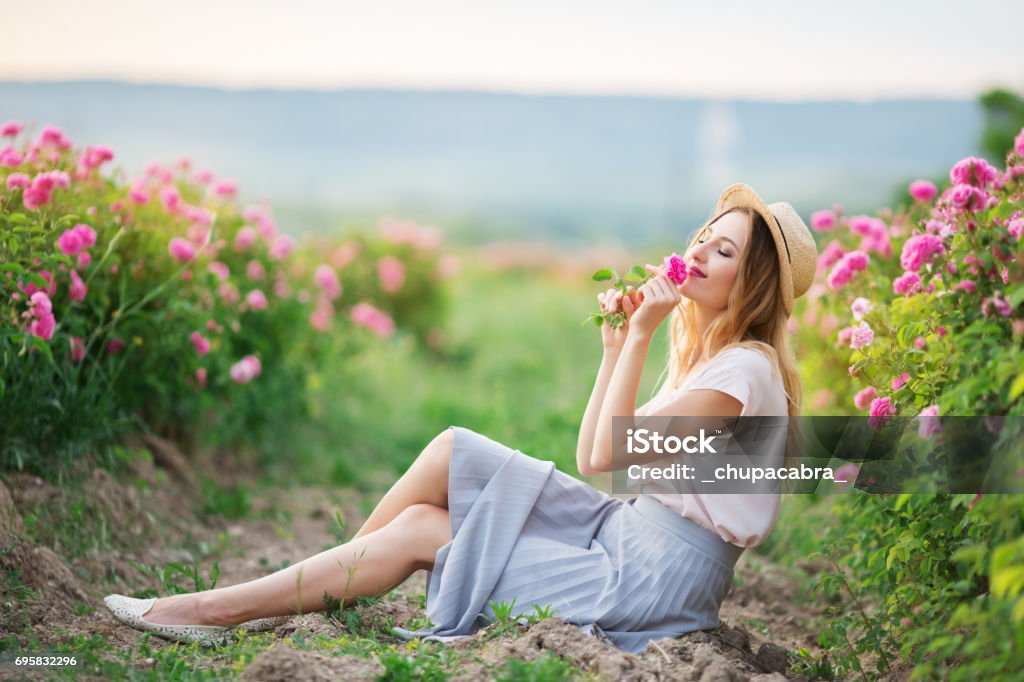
(740, 195)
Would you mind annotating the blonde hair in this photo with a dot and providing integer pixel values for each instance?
(754, 318)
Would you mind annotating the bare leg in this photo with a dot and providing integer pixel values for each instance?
(425, 481)
(368, 566)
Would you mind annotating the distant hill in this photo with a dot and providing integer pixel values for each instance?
(493, 165)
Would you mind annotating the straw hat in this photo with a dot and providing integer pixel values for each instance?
(798, 254)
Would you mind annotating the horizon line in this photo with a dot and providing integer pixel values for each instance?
(481, 90)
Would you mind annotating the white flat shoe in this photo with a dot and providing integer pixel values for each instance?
(129, 611)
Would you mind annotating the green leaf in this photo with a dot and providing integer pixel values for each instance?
(1017, 387)
(12, 267)
(41, 345)
(638, 271)
(602, 275)
(1016, 295)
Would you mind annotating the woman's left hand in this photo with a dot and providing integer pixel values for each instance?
(660, 296)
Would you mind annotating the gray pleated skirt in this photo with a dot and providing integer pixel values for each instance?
(627, 571)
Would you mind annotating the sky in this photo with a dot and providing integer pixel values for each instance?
(744, 49)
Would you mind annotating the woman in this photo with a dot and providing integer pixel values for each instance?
(492, 524)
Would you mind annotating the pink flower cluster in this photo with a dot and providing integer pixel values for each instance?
(92, 158)
(1001, 305)
(874, 234)
(844, 270)
(40, 315)
(909, 283)
(200, 343)
(832, 252)
(246, 369)
(39, 190)
(974, 172)
(76, 241)
(407, 232)
(373, 319)
(920, 249)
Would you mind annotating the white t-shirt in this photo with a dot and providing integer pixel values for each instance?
(749, 376)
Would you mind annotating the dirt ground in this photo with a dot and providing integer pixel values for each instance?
(762, 623)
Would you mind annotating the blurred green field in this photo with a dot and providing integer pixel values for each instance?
(514, 365)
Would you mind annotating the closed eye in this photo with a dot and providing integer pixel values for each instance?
(701, 241)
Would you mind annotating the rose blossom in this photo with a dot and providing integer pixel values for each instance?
(327, 279)
(181, 250)
(898, 382)
(920, 249)
(861, 336)
(376, 320)
(201, 343)
(77, 289)
(928, 422)
(823, 221)
(256, 299)
(863, 398)
(246, 369)
(922, 190)
(675, 268)
(881, 409)
(391, 273)
(861, 307)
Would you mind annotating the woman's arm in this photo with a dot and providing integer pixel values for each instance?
(620, 399)
(585, 442)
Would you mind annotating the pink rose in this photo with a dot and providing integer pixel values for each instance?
(920, 249)
(77, 289)
(927, 422)
(823, 221)
(863, 398)
(245, 238)
(391, 273)
(181, 250)
(922, 190)
(327, 279)
(898, 382)
(201, 343)
(881, 409)
(675, 268)
(246, 369)
(256, 299)
(861, 336)
(376, 320)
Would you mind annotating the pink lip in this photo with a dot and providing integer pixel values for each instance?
(694, 270)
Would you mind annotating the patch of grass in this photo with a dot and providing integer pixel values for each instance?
(232, 502)
(173, 573)
(425, 666)
(545, 668)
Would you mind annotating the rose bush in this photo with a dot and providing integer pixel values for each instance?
(161, 302)
(917, 312)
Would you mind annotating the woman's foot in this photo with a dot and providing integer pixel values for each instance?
(179, 609)
(169, 617)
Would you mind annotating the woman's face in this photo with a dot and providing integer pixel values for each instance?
(717, 256)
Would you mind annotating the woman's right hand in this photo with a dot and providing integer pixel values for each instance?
(615, 339)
